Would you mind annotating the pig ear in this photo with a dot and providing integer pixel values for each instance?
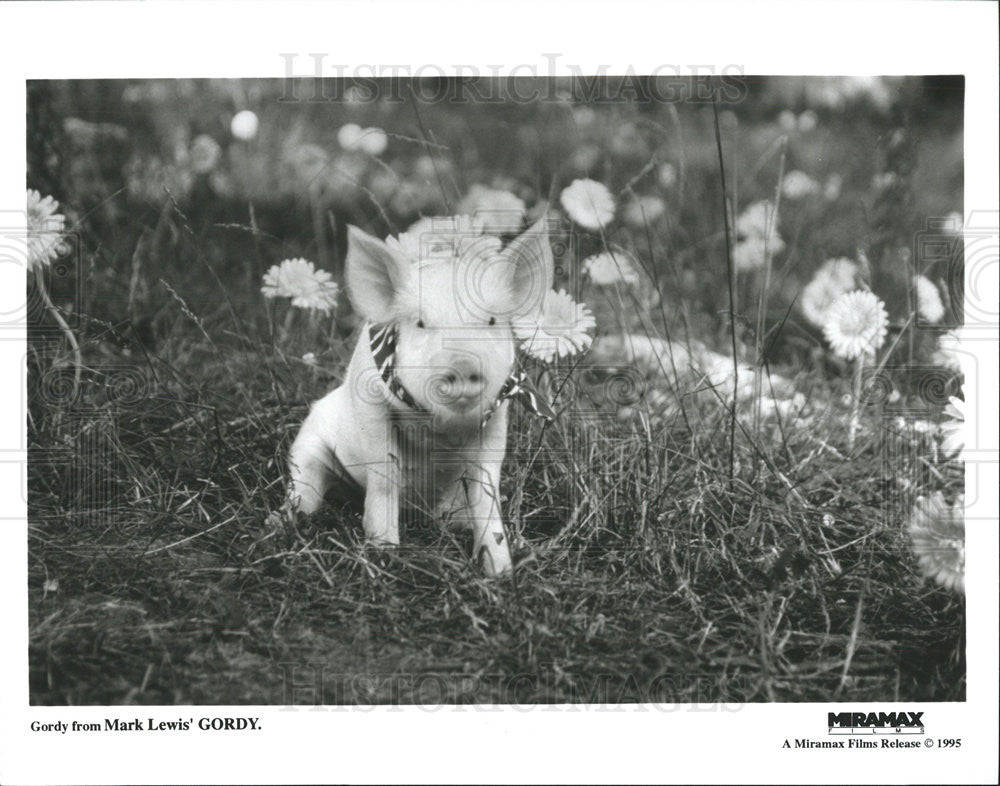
(531, 268)
(374, 275)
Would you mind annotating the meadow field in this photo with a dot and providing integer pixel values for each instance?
(732, 505)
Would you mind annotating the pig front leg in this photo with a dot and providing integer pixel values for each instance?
(310, 476)
(474, 502)
(489, 539)
(311, 459)
(309, 463)
(381, 519)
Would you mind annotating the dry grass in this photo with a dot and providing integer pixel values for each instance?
(640, 564)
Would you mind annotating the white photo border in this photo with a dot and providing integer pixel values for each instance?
(728, 743)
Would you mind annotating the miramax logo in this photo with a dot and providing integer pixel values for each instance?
(875, 723)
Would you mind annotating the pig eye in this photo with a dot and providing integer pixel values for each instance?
(493, 320)
(420, 323)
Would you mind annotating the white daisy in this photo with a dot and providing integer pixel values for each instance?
(353, 137)
(929, 305)
(833, 278)
(667, 175)
(856, 324)
(787, 121)
(427, 168)
(584, 116)
(760, 220)
(627, 141)
(45, 230)
(205, 154)
(373, 141)
(948, 352)
(585, 159)
(937, 533)
(588, 203)
(560, 330)
(349, 135)
(221, 184)
(499, 211)
(244, 125)
(748, 254)
(953, 429)
(299, 280)
(609, 268)
(644, 210)
(807, 121)
(831, 189)
(798, 185)
(383, 184)
(883, 181)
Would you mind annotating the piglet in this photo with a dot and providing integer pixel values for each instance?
(421, 417)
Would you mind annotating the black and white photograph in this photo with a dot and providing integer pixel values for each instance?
(354, 390)
(504, 328)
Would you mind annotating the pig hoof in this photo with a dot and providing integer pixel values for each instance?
(381, 545)
(495, 565)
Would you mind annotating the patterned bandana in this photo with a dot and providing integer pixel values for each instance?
(382, 339)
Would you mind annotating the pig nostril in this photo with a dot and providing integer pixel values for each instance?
(450, 379)
(475, 378)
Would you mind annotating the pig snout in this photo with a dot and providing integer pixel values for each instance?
(460, 382)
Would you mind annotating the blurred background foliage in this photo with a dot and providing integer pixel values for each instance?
(157, 187)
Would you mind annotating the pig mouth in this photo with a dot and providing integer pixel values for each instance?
(463, 405)
(458, 397)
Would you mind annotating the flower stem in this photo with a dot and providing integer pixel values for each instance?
(859, 367)
(286, 328)
(64, 326)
